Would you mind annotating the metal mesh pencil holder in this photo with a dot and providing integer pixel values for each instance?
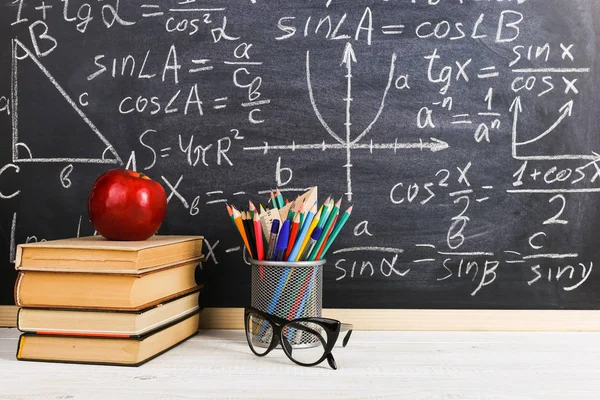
(288, 290)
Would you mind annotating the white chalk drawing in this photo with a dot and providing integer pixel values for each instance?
(349, 144)
(17, 145)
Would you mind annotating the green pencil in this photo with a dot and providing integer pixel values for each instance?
(337, 230)
(279, 199)
(332, 215)
(325, 216)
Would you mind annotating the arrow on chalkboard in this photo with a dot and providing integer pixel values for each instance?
(566, 111)
(348, 58)
(433, 144)
(516, 107)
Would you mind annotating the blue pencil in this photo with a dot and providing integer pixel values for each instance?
(300, 239)
(278, 290)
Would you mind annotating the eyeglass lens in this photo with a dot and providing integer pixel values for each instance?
(259, 333)
(305, 342)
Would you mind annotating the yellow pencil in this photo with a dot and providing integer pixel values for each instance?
(311, 227)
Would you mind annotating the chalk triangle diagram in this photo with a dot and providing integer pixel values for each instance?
(21, 152)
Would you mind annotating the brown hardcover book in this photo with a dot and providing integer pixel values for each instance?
(66, 322)
(104, 291)
(98, 255)
(103, 350)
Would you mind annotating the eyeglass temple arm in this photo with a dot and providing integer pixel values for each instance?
(346, 327)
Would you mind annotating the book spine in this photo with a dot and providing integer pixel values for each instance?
(19, 319)
(20, 346)
(18, 289)
(18, 256)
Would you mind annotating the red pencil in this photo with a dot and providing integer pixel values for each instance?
(260, 249)
(259, 238)
(293, 234)
(292, 312)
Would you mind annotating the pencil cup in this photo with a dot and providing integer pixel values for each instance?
(289, 290)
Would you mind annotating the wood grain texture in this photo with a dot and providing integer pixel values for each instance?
(8, 316)
(382, 365)
(413, 320)
(434, 320)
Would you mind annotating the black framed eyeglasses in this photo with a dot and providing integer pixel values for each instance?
(305, 341)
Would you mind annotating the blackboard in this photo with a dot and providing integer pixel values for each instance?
(465, 133)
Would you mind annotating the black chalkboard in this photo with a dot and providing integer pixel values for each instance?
(465, 133)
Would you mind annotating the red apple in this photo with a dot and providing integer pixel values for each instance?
(126, 205)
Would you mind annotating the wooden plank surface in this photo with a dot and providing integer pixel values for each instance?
(8, 316)
(435, 320)
(413, 320)
(391, 365)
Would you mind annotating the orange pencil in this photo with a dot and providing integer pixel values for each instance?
(237, 218)
(293, 234)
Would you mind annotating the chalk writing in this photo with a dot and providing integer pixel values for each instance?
(464, 132)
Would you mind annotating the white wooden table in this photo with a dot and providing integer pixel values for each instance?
(394, 365)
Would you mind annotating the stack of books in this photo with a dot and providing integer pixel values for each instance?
(91, 300)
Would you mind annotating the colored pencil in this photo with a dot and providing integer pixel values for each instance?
(230, 212)
(326, 228)
(273, 240)
(258, 237)
(272, 200)
(337, 230)
(311, 228)
(237, 218)
(319, 254)
(252, 209)
(306, 293)
(280, 285)
(311, 243)
(293, 210)
(300, 288)
(293, 233)
(248, 226)
(302, 213)
(260, 247)
(328, 207)
(279, 199)
(282, 241)
(310, 215)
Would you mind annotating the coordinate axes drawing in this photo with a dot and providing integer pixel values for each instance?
(16, 144)
(348, 144)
